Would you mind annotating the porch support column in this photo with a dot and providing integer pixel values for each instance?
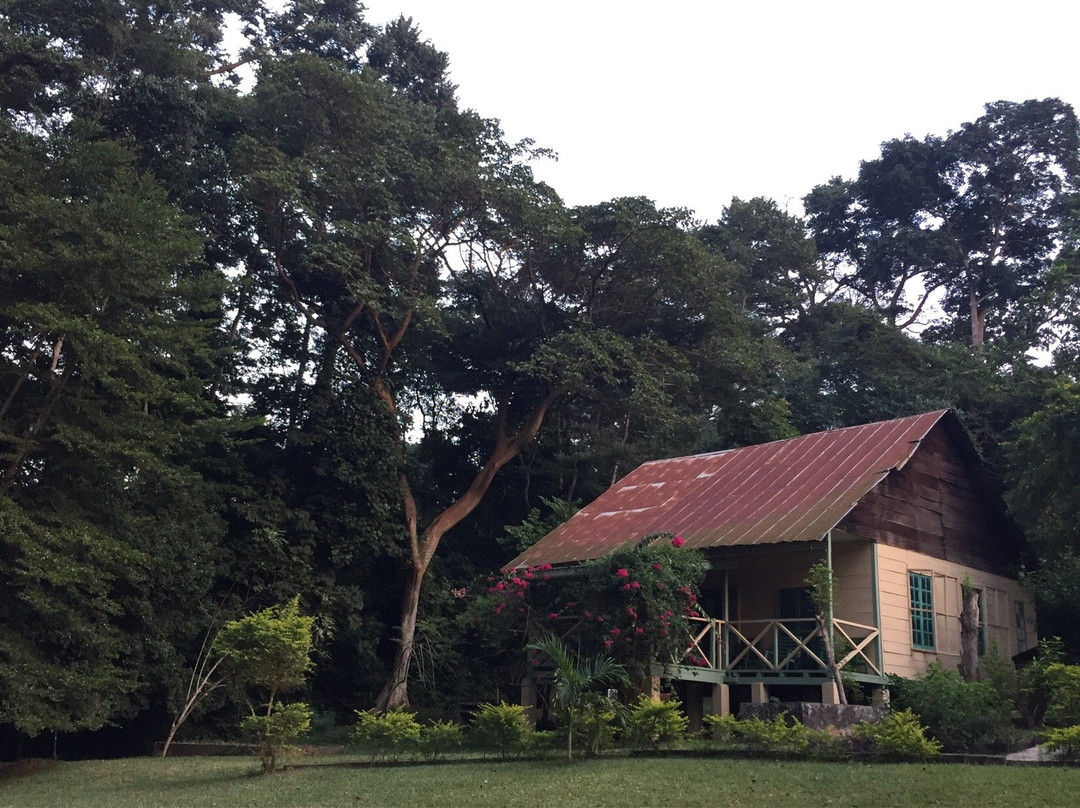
(695, 694)
(528, 699)
(721, 700)
(829, 693)
(759, 693)
(654, 688)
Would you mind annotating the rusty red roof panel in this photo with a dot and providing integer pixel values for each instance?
(784, 491)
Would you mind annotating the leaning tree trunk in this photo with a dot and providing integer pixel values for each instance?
(395, 692)
(969, 635)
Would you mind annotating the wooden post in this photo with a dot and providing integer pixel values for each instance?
(969, 632)
(654, 688)
(528, 699)
(695, 695)
(721, 700)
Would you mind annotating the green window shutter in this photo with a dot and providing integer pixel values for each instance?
(922, 610)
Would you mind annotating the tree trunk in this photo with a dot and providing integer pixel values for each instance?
(395, 692)
(969, 635)
(830, 656)
(978, 317)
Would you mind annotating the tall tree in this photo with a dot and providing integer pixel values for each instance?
(979, 214)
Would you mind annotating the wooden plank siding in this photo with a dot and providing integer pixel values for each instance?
(999, 597)
(937, 506)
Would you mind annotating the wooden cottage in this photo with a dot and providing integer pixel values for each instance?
(903, 510)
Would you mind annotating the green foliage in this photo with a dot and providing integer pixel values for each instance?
(575, 701)
(778, 736)
(1064, 683)
(440, 737)
(1035, 686)
(899, 736)
(962, 716)
(720, 729)
(274, 731)
(388, 734)
(997, 670)
(270, 649)
(270, 652)
(534, 527)
(650, 723)
(1065, 741)
(502, 728)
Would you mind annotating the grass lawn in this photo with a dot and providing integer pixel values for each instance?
(623, 782)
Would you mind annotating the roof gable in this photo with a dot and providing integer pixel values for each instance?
(785, 491)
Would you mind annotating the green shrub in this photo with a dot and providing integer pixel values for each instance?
(274, 732)
(997, 670)
(1035, 690)
(594, 725)
(502, 728)
(721, 729)
(775, 737)
(1064, 710)
(440, 737)
(963, 716)
(386, 734)
(899, 736)
(651, 723)
(1066, 742)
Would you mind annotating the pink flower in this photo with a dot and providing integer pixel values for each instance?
(678, 541)
(622, 572)
(630, 611)
(553, 615)
(659, 586)
(639, 630)
(607, 643)
(635, 585)
(626, 586)
(615, 632)
(656, 566)
(572, 604)
(500, 586)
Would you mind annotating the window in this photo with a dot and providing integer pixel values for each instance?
(1021, 627)
(922, 611)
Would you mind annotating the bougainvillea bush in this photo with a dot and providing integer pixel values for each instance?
(641, 599)
(634, 604)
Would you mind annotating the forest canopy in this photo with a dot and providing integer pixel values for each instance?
(324, 333)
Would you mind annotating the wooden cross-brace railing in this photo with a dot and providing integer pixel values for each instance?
(773, 645)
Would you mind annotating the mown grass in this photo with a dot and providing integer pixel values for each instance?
(607, 782)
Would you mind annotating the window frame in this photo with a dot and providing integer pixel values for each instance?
(921, 609)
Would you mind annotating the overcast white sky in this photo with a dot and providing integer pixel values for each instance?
(691, 103)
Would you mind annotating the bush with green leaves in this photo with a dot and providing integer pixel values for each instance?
(388, 735)
(1065, 742)
(782, 736)
(268, 653)
(962, 716)
(440, 737)
(502, 728)
(720, 729)
(899, 736)
(273, 732)
(1065, 702)
(1035, 687)
(650, 723)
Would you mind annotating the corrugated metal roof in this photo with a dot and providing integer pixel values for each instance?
(784, 491)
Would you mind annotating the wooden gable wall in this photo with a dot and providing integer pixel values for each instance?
(939, 504)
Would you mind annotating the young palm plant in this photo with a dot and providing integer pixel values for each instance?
(577, 680)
